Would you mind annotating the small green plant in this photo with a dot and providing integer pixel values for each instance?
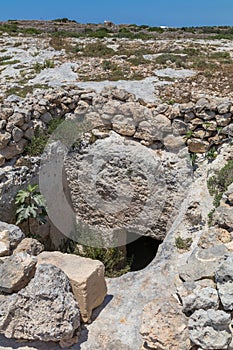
(38, 67)
(41, 137)
(219, 130)
(106, 65)
(171, 102)
(30, 204)
(183, 243)
(99, 33)
(49, 64)
(207, 125)
(37, 144)
(210, 216)
(189, 134)
(31, 31)
(193, 158)
(211, 154)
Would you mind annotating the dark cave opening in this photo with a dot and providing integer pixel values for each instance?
(141, 250)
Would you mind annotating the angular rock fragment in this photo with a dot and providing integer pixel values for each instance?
(210, 329)
(201, 298)
(15, 234)
(16, 272)
(45, 310)
(30, 246)
(4, 243)
(224, 279)
(202, 263)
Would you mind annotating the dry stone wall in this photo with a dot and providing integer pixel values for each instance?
(202, 123)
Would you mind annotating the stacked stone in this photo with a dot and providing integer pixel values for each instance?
(202, 124)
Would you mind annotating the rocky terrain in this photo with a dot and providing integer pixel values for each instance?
(124, 135)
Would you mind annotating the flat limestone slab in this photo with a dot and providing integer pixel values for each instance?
(86, 277)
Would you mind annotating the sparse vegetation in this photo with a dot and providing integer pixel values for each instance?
(183, 243)
(12, 28)
(22, 91)
(39, 141)
(38, 67)
(113, 259)
(5, 58)
(165, 58)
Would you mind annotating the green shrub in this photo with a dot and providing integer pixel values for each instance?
(219, 183)
(183, 243)
(107, 65)
(164, 58)
(9, 28)
(220, 55)
(156, 29)
(37, 144)
(99, 33)
(12, 28)
(64, 20)
(137, 60)
(98, 50)
(30, 31)
(222, 36)
(211, 154)
(6, 63)
(5, 58)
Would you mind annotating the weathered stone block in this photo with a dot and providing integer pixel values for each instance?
(86, 277)
(4, 243)
(30, 246)
(16, 272)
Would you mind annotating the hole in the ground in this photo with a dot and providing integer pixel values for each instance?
(141, 251)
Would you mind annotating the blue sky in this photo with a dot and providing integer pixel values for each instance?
(153, 12)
